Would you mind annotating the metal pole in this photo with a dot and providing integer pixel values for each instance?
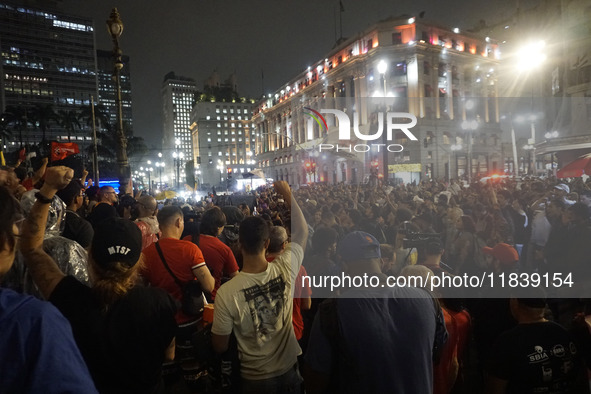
(515, 161)
(95, 165)
(533, 144)
(178, 173)
(469, 166)
(449, 166)
(385, 138)
(122, 160)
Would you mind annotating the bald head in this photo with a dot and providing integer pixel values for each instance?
(147, 206)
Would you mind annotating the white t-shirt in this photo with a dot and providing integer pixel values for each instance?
(258, 308)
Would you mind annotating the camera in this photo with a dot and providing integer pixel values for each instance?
(419, 240)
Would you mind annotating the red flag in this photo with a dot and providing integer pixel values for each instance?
(60, 151)
(22, 154)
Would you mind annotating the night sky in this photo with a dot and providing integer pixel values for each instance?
(280, 37)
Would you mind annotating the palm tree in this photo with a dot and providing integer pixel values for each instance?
(68, 120)
(107, 149)
(100, 115)
(43, 116)
(5, 134)
(16, 119)
(101, 121)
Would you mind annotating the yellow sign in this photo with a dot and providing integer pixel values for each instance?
(393, 168)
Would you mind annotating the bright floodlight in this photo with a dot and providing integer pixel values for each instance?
(382, 67)
(531, 56)
(551, 134)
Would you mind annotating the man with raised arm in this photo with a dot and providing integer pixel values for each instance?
(257, 306)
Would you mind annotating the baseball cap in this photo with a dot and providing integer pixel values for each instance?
(358, 245)
(505, 253)
(116, 240)
(562, 187)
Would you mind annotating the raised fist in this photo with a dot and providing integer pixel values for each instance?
(282, 187)
(58, 177)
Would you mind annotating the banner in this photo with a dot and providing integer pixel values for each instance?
(394, 168)
(60, 151)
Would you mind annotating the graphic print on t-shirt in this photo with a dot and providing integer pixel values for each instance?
(266, 304)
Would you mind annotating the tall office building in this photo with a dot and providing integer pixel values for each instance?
(106, 86)
(223, 142)
(445, 78)
(178, 95)
(48, 57)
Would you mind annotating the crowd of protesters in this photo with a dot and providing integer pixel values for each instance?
(95, 284)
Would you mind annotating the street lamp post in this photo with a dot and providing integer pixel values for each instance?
(531, 57)
(149, 169)
(470, 127)
(178, 157)
(115, 28)
(454, 148)
(382, 68)
(529, 148)
(160, 166)
(549, 136)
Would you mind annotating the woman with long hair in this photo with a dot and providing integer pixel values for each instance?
(125, 332)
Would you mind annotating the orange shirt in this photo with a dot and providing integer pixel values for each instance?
(182, 257)
(446, 372)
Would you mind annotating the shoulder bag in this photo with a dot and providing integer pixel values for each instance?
(192, 293)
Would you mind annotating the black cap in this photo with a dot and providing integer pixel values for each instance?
(116, 240)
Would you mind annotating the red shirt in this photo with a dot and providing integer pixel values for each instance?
(182, 257)
(299, 292)
(218, 256)
(446, 372)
